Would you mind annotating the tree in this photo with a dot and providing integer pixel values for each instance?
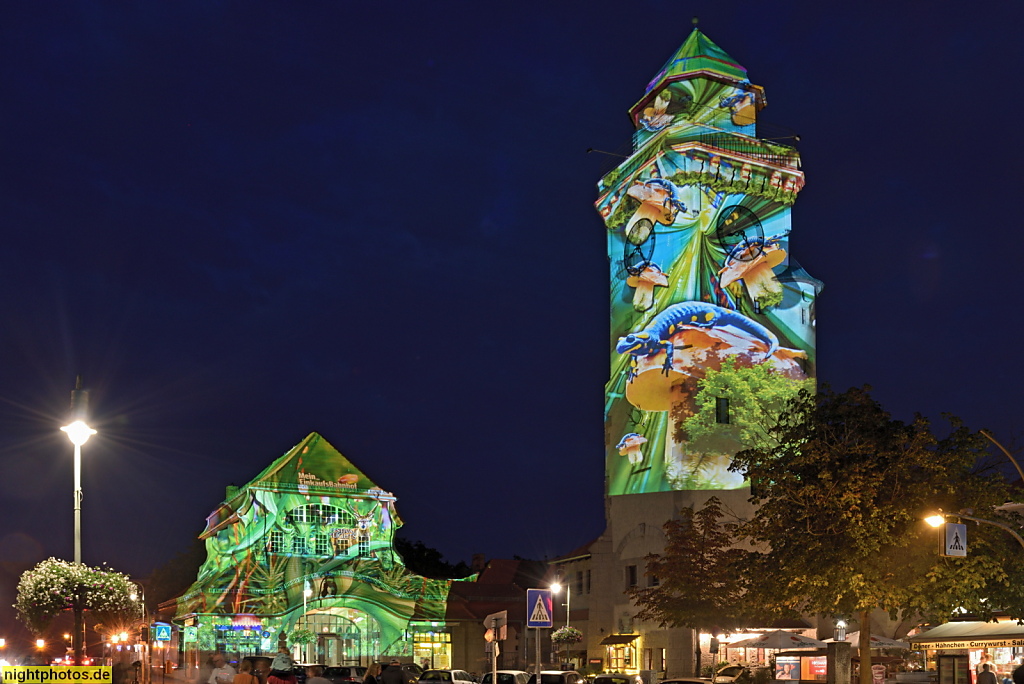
(428, 562)
(838, 530)
(699, 583)
(54, 586)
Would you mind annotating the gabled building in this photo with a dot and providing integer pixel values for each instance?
(305, 549)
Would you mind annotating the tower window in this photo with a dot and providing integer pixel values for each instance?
(631, 575)
(587, 588)
(722, 410)
(757, 305)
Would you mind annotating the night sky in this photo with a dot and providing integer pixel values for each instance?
(241, 222)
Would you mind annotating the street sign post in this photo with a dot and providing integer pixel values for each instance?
(497, 630)
(538, 616)
(538, 608)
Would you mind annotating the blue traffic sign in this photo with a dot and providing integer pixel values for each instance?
(538, 608)
(161, 632)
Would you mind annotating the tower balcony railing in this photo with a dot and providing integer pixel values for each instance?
(770, 152)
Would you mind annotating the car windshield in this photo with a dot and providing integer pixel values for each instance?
(436, 676)
(551, 679)
(503, 678)
(730, 671)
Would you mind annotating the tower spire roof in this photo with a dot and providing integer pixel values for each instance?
(698, 55)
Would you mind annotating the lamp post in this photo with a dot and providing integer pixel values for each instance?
(939, 518)
(79, 433)
(556, 588)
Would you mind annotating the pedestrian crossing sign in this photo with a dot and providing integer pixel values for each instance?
(954, 540)
(538, 608)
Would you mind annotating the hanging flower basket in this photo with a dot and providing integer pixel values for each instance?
(303, 636)
(567, 635)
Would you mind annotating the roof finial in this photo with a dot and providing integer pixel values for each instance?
(696, 20)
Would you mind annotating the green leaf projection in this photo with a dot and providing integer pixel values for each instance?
(307, 546)
(712, 321)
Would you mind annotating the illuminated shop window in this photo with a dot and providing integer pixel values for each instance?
(275, 541)
(722, 410)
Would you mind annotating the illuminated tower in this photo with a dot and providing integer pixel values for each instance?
(712, 321)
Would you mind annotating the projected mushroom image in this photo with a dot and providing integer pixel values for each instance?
(753, 262)
(629, 446)
(672, 355)
(659, 202)
(644, 284)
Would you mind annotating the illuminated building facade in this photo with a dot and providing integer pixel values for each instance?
(306, 548)
(712, 324)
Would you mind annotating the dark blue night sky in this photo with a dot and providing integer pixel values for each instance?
(245, 221)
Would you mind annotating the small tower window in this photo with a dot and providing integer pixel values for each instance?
(722, 410)
(757, 305)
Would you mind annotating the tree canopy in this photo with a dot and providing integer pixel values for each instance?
(428, 562)
(839, 526)
(54, 586)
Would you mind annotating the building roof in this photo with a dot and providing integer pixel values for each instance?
(577, 553)
(698, 55)
(313, 466)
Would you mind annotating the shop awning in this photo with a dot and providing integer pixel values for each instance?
(618, 639)
(971, 635)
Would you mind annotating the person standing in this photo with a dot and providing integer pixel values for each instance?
(372, 675)
(245, 675)
(282, 670)
(317, 676)
(392, 674)
(987, 676)
(222, 673)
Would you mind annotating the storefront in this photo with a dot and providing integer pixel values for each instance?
(621, 653)
(957, 651)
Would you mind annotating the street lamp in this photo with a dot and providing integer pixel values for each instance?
(79, 433)
(939, 519)
(556, 588)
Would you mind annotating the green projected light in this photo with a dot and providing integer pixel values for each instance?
(307, 545)
(712, 320)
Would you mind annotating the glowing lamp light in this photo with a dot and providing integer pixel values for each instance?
(40, 643)
(124, 636)
(556, 587)
(78, 432)
(935, 520)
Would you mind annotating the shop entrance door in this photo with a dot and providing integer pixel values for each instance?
(954, 669)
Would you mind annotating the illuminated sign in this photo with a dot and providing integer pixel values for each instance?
(712, 321)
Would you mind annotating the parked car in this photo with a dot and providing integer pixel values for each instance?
(557, 677)
(446, 677)
(731, 674)
(412, 671)
(507, 677)
(345, 673)
(614, 678)
(685, 680)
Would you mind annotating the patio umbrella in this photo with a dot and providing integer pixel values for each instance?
(876, 641)
(778, 639)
